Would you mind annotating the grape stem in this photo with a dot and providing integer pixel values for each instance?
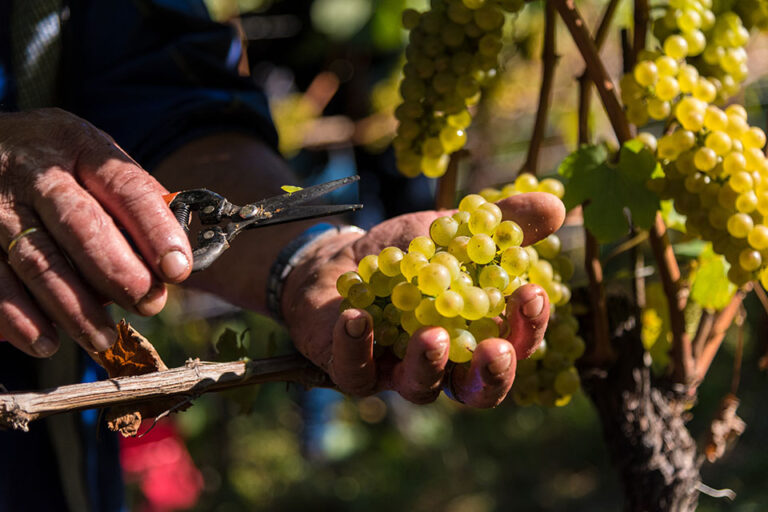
(641, 18)
(549, 60)
(585, 89)
(594, 67)
(445, 196)
(723, 320)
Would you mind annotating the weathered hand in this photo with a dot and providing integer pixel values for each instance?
(343, 344)
(73, 185)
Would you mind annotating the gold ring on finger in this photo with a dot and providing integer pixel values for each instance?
(18, 237)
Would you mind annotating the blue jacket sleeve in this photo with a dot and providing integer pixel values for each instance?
(155, 74)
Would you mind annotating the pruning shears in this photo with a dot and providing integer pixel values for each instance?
(222, 221)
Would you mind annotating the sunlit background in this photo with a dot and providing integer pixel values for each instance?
(331, 69)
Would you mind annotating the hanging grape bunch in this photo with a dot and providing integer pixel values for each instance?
(452, 51)
(713, 161)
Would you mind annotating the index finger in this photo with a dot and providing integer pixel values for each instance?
(539, 214)
(135, 199)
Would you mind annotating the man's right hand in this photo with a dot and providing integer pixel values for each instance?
(70, 182)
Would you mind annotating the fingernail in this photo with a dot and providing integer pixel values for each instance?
(436, 353)
(105, 338)
(533, 307)
(500, 364)
(356, 327)
(45, 346)
(174, 265)
(153, 301)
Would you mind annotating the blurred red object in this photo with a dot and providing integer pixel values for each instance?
(161, 464)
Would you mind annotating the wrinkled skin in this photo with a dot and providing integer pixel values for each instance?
(69, 180)
(343, 344)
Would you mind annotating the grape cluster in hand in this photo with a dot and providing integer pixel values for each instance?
(458, 278)
(452, 51)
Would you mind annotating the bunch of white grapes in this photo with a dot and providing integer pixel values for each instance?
(714, 166)
(452, 51)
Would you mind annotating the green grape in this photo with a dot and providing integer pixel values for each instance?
(548, 247)
(410, 18)
(462, 281)
(758, 237)
(346, 280)
(409, 323)
(658, 109)
(567, 382)
(687, 78)
(526, 182)
(746, 202)
(443, 229)
(667, 88)
(482, 221)
(470, 203)
(476, 303)
(423, 245)
(705, 159)
(552, 186)
(391, 314)
(750, 259)
(450, 303)
(389, 261)
(715, 119)
(484, 328)
(719, 142)
(540, 272)
(406, 296)
(426, 313)
(493, 276)
(646, 73)
(515, 260)
(386, 334)
(377, 314)
(508, 234)
(741, 181)
(434, 167)
(433, 279)
(462, 346)
(360, 295)
(493, 209)
(481, 249)
(448, 261)
(380, 284)
(676, 47)
(496, 302)
(734, 163)
(411, 263)
(367, 266)
(753, 138)
(458, 249)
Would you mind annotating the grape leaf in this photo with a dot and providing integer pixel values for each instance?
(710, 286)
(291, 188)
(230, 347)
(607, 190)
(586, 157)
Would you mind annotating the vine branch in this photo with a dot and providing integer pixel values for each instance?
(594, 67)
(723, 320)
(190, 381)
(549, 60)
(668, 267)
